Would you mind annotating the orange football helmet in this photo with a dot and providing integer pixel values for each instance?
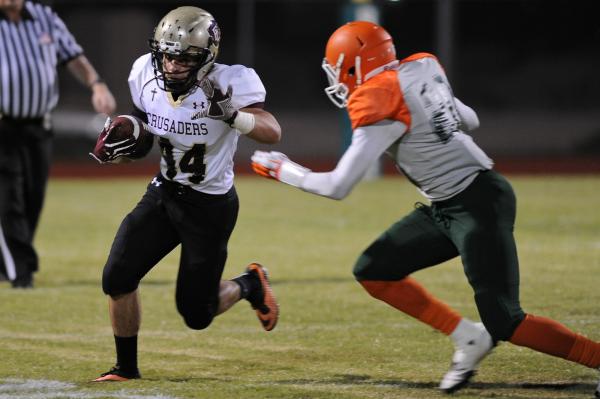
(356, 52)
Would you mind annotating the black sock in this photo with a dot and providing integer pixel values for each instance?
(127, 353)
(248, 283)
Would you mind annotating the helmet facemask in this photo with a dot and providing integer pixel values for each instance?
(336, 91)
(188, 37)
(193, 58)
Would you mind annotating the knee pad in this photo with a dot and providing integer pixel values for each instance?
(369, 268)
(115, 283)
(499, 314)
(198, 321)
(360, 267)
(198, 317)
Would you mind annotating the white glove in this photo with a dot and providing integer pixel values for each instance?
(276, 165)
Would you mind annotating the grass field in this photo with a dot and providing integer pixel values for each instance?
(333, 340)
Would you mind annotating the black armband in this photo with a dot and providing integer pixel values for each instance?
(95, 82)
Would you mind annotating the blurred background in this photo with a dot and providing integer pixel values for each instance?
(528, 67)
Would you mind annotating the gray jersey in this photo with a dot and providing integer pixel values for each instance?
(433, 152)
(411, 114)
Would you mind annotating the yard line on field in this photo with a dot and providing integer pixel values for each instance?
(64, 337)
(12, 384)
(80, 395)
(48, 389)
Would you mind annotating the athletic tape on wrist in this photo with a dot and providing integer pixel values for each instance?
(244, 122)
(291, 173)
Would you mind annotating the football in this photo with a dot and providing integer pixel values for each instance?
(123, 138)
(125, 126)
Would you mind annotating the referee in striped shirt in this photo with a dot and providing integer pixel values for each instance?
(33, 42)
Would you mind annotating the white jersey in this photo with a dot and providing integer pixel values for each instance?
(195, 151)
(411, 114)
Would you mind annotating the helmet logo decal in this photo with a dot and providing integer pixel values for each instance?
(214, 32)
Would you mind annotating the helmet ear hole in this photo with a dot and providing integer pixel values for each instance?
(351, 71)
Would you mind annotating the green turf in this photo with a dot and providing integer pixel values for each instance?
(333, 340)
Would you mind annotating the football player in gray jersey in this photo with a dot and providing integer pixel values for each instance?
(198, 109)
(406, 108)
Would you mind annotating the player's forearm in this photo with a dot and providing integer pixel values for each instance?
(332, 184)
(266, 128)
(368, 144)
(350, 169)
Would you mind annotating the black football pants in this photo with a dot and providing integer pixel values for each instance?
(476, 225)
(25, 154)
(170, 214)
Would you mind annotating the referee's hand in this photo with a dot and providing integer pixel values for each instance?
(102, 99)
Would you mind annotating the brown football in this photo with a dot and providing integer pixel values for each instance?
(125, 126)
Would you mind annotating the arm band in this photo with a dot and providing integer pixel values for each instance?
(291, 173)
(95, 82)
(244, 122)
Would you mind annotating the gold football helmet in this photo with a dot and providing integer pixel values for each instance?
(189, 36)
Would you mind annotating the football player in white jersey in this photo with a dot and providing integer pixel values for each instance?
(406, 108)
(198, 109)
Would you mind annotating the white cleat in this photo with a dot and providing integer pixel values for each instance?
(473, 343)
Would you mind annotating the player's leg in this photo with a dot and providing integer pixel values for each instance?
(409, 245)
(205, 230)
(551, 337)
(490, 259)
(144, 237)
(414, 243)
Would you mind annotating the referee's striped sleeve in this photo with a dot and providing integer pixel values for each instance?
(29, 54)
(67, 47)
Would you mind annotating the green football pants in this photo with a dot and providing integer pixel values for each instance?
(476, 225)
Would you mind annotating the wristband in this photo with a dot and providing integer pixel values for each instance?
(95, 82)
(291, 173)
(244, 122)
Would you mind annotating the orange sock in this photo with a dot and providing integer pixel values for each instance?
(550, 337)
(410, 297)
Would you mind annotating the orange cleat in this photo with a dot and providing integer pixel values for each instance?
(117, 375)
(263, 300)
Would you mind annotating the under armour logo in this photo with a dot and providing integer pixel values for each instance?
(196, 105)
(156, 182)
